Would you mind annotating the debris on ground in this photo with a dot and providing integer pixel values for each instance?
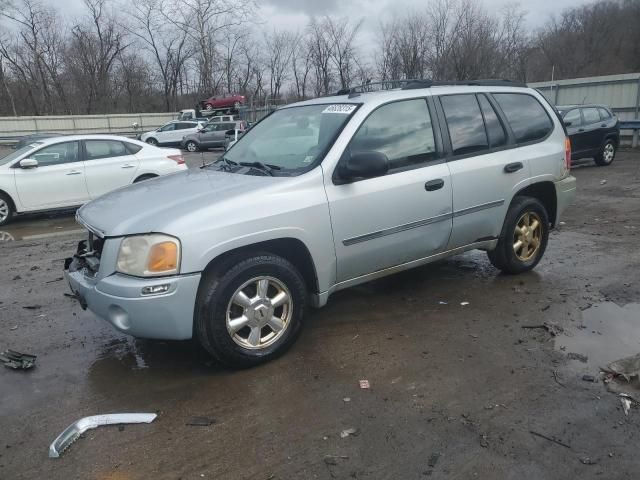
(625, 400)
(433, 459)
(551, 439)
(483, 441)
(443, 303)
(333, 459)
(589, 378)
(464, 304)
(76, 429)
(32, 307)
(17, 360)
(587, 461)
(627, 367)
(550, 327)
(346, 399)
(603, 182)
(349, 432)
(15, 327)
(556, 378)
(200, 422)
(577, 356)
(364, 384)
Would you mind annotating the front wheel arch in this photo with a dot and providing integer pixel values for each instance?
(145, 176)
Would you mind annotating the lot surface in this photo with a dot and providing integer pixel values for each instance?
(456, 390)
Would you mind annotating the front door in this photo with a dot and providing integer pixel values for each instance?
(575, 129)
(108, 165)
(399, 217)
(57, 181)
(594, 132)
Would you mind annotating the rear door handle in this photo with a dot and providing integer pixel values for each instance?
(128, 166)
(74, 172)
(513, 167)
(432, 185)
(581, 130)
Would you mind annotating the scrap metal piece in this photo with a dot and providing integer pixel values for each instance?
(17, 360)
(73, 431)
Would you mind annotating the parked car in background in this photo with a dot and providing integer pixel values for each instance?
(223, 118)
(223, 103)
(210, 136)
(594, 131)
(63, 172)
(27, 139)
(320, 196)
(171, 133)
(190, 114)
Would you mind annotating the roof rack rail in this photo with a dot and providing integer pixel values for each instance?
(410, 84)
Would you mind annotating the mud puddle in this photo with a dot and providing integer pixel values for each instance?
(607, 333)
(35, 227)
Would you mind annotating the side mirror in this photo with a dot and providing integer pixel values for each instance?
(28, 163)
(364, 165)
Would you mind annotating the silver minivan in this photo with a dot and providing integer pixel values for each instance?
(319, 196)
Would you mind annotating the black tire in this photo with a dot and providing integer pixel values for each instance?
(7, 210)
(607, 153)
(504, 256)
(152, 141)
(192, 146)
(142, 178)
(218, 286)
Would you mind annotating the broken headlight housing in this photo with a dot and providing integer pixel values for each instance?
(150, 255)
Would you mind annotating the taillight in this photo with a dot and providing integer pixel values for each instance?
(179, 159)
(567, 153)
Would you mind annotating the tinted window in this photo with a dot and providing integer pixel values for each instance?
(495, 130)
(604, 113)
(590, 115)
(466, 127)
(168, 127)
(400, 130)
(57, 154)
(574, 117)
(527, 118)
(96, 149)
(132, 148)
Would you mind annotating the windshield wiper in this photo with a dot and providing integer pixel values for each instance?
(227, 163)
(265, 167)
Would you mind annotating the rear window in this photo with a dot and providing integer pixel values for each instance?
(96, 149)
(526, 116)
(590, 115)
(466, 127)
(604, 113)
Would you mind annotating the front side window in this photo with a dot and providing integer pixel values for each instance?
(96, 149)
(526, 116)
(590, 115)
(400, 130)
(169, 127)
(8, 158)
(292, 139)
(573, 118)
(466, 127)
(495, 130)
(58, 154)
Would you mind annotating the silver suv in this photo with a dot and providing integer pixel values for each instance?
(319, 196)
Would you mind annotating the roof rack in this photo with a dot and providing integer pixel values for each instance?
(410, 84)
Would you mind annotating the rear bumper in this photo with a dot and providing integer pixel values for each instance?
(118, 300)
(565, 195)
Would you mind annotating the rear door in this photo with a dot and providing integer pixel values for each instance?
(399, 217)
(166, 133)
(109, 164)
(594, 132)
(57, 181)
(576, 132)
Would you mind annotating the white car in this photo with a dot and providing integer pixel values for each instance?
(171, 133)
(63, 172)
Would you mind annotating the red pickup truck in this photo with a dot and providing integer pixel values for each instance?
(225, 102)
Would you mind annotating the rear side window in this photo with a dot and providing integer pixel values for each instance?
(590, 115)
(400, 130)
(573, 118)
(495, 130)
(96, 149)
(466, 127)
(132, 148)
(604, 113)
(527, 118)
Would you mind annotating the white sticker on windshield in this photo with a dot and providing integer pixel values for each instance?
(340, 108)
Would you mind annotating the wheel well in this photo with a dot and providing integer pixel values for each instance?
(614, 137)
(289, 248)
(545, 192)
(13, 204)
(145, 177)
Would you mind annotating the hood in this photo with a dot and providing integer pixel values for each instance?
(153, 205)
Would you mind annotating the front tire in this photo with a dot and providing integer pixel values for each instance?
(152, 141)
(192, 146)
(251, 311)
(524, 237)
(6, 209)
(607, 154)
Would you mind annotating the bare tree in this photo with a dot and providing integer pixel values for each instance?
(301, 63)
(343, 53)
(279, 49)
(320, 47)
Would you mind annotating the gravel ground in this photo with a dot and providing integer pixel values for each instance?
(456, 390)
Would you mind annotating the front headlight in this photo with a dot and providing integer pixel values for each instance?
(149, 255)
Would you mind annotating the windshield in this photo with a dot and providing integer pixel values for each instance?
(17, 153)
(292, 140)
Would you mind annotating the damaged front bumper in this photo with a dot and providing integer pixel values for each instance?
(160, 308)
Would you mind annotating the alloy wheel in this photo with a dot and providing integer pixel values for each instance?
(609, 152)
(527, 236)
(4, 210)
(259, 312)
(191, 147)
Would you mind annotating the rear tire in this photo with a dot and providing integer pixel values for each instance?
(240, 335)
(6, 209)
(524, 237)
(192, 146)
(607, 154)
(152, 141)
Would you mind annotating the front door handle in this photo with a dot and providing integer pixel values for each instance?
(581, 130)
(432, 185)
(128, 166)
(74, 172)
(513, 167)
